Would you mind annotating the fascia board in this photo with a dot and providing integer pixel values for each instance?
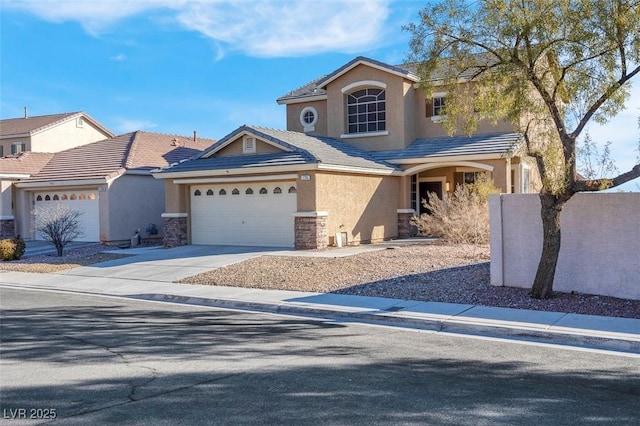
(369, 64)
(301, 99)
(261, 178)
(358, 170)
(449, 158)
(13, 176)
(61, 183)
(236, 172)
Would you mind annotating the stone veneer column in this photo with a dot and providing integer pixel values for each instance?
(311, 230)
(405, 228)
(7, 227)
(175, 229)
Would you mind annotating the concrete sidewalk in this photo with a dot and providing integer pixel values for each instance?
(617, 334)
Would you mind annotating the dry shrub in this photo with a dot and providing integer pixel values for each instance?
(459, 218)
(12, 248)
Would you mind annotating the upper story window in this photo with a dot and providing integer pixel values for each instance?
(18, 147)
(80, 122)
(366, 111)
(309, 118)
(435, 107)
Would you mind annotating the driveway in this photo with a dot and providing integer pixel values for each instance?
(170, 265)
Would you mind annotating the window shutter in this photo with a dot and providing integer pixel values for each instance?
(429, 108)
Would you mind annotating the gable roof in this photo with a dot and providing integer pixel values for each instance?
(298, 149)
(450, 146)
(109, 158)
(316, 88)
(24, 164)
(20, 127)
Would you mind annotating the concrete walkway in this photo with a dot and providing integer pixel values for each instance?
(150, 273)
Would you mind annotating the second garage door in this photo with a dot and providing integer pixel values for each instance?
(85, 202)
(244, 214)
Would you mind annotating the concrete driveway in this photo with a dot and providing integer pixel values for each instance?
(169, 265)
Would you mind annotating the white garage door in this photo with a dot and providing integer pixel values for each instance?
(254, 214)
(86, 202)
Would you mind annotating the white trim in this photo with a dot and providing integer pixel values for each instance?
(364, 135)
(359, 170)
(45, 186)
(364, 83)
(429, 166)
(444, 159)
(12, 177)
(309, 127)
(7, 217)
(437, 118)
(173, 215)
(241, 135)
(405, 211)
(311, 214)
(238, 179)
(410, 76)
(299, 100)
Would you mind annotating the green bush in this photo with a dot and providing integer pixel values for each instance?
(12, 248)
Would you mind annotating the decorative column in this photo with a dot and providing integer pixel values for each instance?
(311, 230)
(175, 229)
(405, 228)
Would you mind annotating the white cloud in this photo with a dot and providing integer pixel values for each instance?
(119, 57)
(125, 125)
(256, 27)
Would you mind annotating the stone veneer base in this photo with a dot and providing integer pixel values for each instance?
(7, 228)
(175, 231)
(311, 232)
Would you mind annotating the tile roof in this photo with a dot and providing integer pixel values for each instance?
(298, 149)
(25, 163)
(447, 146)
(109, 158)
(28, 126)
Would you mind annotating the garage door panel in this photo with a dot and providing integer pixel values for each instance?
(262, 219)
(85, 202)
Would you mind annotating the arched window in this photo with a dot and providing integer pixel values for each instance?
(210, 192)
(82, 197)
(197, 193)
(47, 198)
(64, 196)
(292, 190)
(92, 196)
(366, 111)
(263, 190)
(249, 191)
(55, 197)
(73, 196)
(235, 191)
(277, 190)
(222, 192)
(39, 198)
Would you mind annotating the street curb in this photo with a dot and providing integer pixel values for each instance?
(581, 338)
(570, 337)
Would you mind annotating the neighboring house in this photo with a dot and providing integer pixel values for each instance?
(49, 133)
(109, 182)
(20, 140)
(363, 147)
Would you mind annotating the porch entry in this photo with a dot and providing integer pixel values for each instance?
(424, 188)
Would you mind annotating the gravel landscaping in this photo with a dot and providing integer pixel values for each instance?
(425, 272)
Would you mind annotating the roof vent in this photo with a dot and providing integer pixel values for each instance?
(26, 112)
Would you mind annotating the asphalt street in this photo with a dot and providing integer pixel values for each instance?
(101, 360)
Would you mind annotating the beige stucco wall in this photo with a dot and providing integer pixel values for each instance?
(6, 209)
(600, 243)
(363, 206)
(64, 136)
(293, 117)
(235, 148)
(134, 202)
(395, 108)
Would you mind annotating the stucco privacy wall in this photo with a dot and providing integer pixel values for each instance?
(600, 251)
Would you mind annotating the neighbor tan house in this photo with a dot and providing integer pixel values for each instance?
(363, 146)
(109, 181)
(25, 147)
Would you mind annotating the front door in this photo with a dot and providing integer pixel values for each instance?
(423, 193)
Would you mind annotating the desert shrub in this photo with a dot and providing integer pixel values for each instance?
(12, 248)
(59, 225)
(459, 218)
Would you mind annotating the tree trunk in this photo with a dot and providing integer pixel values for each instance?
(551, 207)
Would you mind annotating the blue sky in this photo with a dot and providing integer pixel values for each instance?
(175, 66)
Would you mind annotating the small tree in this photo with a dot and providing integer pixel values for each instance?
(59, 225)
(461, 217)
(548, 66)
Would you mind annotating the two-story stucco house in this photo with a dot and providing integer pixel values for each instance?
(363, 146)
(27, 144)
